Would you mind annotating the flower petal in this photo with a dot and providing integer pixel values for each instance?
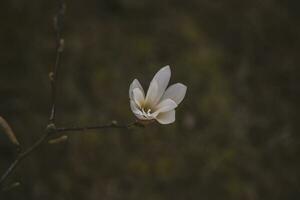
(162, 77)
(138, 96)
(134, 108)
(135, 84)
(166, 117)
(175, 92)
(164, 106)
(152, 93)
(136, 111)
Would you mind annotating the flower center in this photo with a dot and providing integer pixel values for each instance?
(148, 113)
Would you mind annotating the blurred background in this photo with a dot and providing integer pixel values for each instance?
(236, 134)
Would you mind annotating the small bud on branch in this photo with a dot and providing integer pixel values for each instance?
(58, 140)
(9, 132)
(10, 187)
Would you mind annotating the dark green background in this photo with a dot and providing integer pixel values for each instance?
(237, 131)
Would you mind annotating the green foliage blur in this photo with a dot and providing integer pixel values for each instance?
(236, 134)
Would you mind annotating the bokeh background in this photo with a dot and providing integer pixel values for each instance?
(237, 132)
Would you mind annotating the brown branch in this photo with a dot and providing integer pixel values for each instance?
(23, 155)
(51, 130)
(51, 127)
(58, 26)
(107, 126)
(11, 186)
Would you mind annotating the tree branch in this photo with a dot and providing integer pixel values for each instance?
(51, 127)
(51, 130)
(107, 126)
(58, 26)
(21, 156)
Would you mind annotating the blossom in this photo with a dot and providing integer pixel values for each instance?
(159, 103)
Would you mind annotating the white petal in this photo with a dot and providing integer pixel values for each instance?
(136, 111)
(162, 77)
(175, 92)
(135, 84)
(166, 117)
(152, 93)
(164, 106)
(138, 96)
(134, 108)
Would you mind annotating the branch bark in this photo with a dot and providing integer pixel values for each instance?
(58, 27)
(51, 127)
(97, 127)
(21, 156)
(49, 131)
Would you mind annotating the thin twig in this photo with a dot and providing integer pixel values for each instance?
(49, 131)
(23, 155)
(51, 127)
(58, 26)
(111, 125)
(10, 187)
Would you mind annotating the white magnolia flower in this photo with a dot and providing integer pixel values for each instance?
(159, 104)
